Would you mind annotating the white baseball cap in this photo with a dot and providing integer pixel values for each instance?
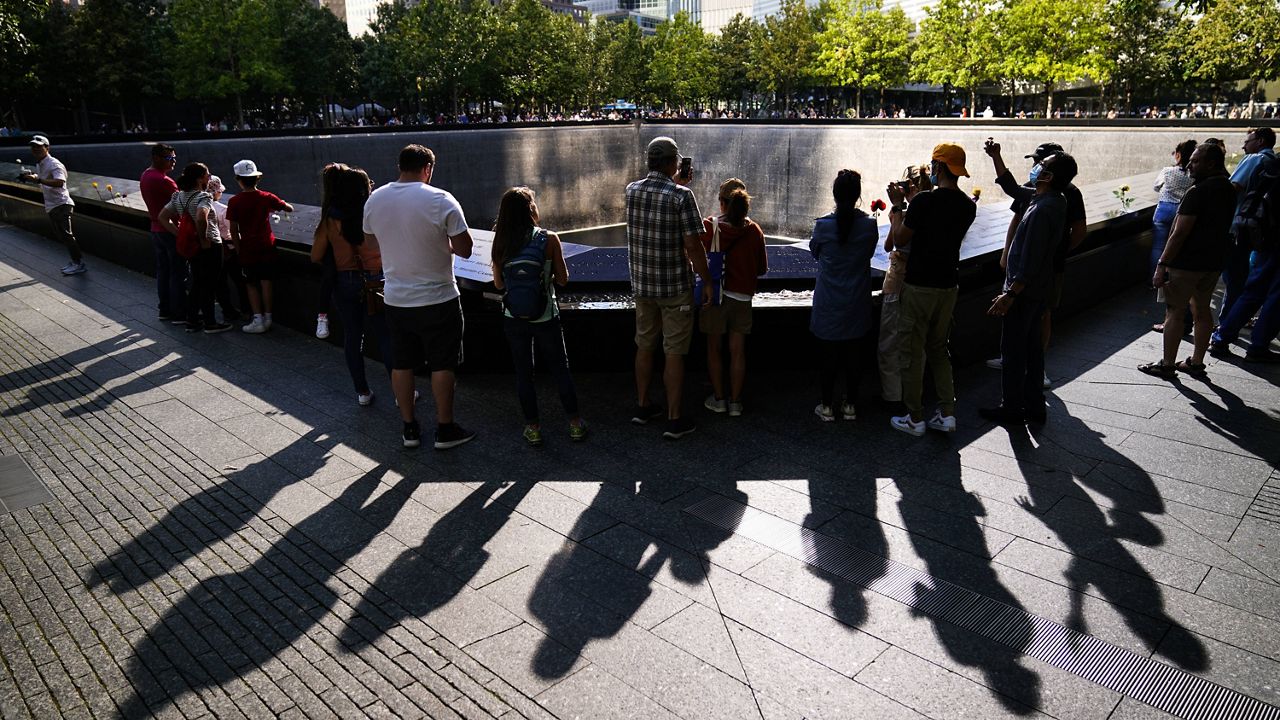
(246, 168)
(38, 140)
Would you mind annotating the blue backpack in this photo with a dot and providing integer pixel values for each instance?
(526, 283)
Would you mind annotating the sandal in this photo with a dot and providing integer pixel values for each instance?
(1190, 368)
(1159, 369)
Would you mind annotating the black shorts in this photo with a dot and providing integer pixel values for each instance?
(258, 272)
(430, 334)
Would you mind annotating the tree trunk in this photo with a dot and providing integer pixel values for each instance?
(1048, 100)
(124, 122)
(142, 109)
(239, 111)
(1253, 94)
(973, 100)
(858, 110)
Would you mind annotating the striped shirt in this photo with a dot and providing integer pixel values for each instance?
(660, 214)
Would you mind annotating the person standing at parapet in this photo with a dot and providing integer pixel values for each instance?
(932, 230)
(157, 189)
(1028, 288)
(249, 213)
(51, 176)
(1260, 160)
(419, 228)
(664, 229)
(1073, 231)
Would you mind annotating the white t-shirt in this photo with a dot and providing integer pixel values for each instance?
(413, 223)
(51, 169)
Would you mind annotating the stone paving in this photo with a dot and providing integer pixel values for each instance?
(231, 535)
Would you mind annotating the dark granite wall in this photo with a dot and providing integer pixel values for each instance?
(580, 172)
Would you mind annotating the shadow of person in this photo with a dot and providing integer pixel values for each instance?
(584, 594)
(961, 556)
(203, 519)
(1099, 560)
(860, 527)
(424, 578)
(1251, 429)
(248, 617)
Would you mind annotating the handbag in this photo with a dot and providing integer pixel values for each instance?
(188, 245)
(373, 289)
(715, 268)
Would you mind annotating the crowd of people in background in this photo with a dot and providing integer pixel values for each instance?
(1027, 109)
(389, 257)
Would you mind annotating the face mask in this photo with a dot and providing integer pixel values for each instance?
(1035, 172)
(933, 179)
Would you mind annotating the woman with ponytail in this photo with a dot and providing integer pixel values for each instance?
(843, 243)
(742, 242)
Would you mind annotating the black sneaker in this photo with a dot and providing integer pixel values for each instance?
(1262, 356)
(451, 436)
(679, 427)
(1220, 349)
(412, 434)
(215, 328)
(642, 414)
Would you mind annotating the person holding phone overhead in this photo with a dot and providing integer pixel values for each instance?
(663, 230)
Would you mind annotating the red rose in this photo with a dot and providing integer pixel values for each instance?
(877, 205)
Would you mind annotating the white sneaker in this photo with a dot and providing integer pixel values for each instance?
(904, 424)
(256, 327)
(322, 326)
(824, 413)
(365, 399)
(995, 363)
(1047, 382)
(74, 268)
(416, 395)
(942, 423)
(715, 404)
(266, 322)
(848, 412)
(65, 268)
(735, 409)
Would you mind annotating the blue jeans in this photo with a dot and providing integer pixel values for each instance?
(1162, 223)
(171, 275)
(1261, 292)
(1234, 276)
(549, 338)
(348, 300)
(1022, 351)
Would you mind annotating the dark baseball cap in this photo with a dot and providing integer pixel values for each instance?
(1044, 150)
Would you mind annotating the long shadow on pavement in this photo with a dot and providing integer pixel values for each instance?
(230, 624)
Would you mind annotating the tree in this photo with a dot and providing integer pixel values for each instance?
(1139, 52)
(223, 50)
(327, 68)
(864, 46)
(682, 67)
(1233, 41)
(1053, 42)
(736, 50)
(123, 41)
(16, 19)
(618, 61)
(387, 73)
(786, 56)
(957, 46)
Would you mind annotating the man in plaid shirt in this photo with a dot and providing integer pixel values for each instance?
(663, 227)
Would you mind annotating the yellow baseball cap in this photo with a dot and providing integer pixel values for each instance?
(952, 156)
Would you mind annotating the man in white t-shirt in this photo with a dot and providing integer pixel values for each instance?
(419, 228)
(51, 176)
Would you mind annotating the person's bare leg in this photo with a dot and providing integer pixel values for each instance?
(673, 378)
(1203, 328)
(442, 382)
(266, 296)
(402, 386)
(715, 364)
(1173, 322)
(644, 375)
(737, 365)
(255, 297)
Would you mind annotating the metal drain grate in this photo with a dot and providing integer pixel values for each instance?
(19, 486)
(1159, 685)
(1266, 506)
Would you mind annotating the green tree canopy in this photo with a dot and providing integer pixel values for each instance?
(1234, 41)
(786, 58)
(956, 46)
(736, 50)
(224, 50)
(1052, 42)
(682, 66)
(864, 46)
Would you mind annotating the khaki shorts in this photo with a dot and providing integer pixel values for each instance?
(730, 315)
(672, 318)
(1190, 286)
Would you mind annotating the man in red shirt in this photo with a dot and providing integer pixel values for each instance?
(171, 269)
(249, 213)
